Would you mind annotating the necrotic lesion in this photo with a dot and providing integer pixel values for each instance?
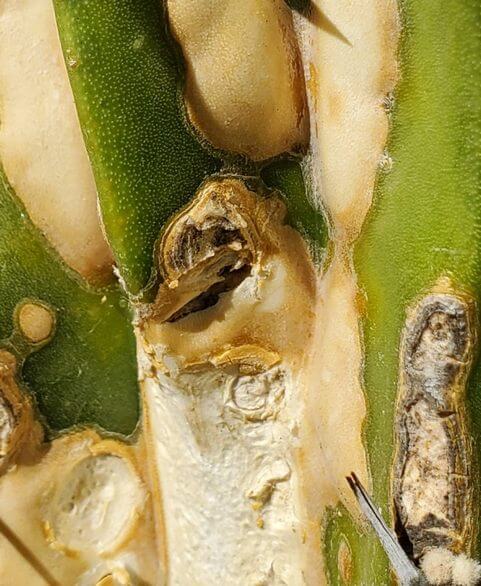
(432, 489)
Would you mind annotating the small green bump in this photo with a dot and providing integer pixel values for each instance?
(345, 548)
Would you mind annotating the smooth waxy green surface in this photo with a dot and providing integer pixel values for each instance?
(425, 223)
(125, 76)
(86, 374)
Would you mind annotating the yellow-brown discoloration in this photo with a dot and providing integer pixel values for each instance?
(344, 563)
(249, 358)
(119, 577)
(335, 405)
(36, 322)
(245, 87)
(246, 359)
(18, 431)
(41, 144)
(262, 310)
(8, 362)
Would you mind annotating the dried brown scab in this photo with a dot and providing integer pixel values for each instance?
(210, 247)
(432, 489)
(16, 416)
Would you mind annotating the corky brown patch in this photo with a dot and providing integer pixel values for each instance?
(432, 489)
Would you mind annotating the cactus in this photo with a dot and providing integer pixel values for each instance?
(239, 292)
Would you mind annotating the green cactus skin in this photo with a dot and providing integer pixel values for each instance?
(338, 529)
(287, 176)
(147, 163)
(425, 221)
(86, 373)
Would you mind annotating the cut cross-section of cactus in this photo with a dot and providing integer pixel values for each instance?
(239, 292)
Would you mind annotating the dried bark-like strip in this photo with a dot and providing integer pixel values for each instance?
(431, 488)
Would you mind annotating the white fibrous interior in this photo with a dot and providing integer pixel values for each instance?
(229, 485)
(244, 88)
(225, 427)
(41, 146)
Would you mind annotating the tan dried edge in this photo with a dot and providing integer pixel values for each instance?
(41, 145)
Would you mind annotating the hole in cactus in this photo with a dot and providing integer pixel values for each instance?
(232, 278)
